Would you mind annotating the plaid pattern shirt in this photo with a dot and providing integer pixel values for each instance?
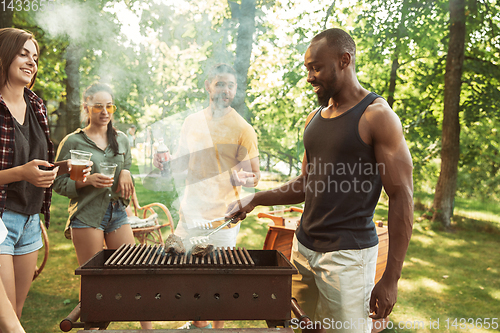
(7, 146)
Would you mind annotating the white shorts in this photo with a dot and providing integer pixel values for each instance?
(222, 238)
(334, 288)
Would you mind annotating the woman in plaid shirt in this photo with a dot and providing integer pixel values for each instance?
(26, 163)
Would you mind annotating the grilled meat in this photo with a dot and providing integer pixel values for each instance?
(173, 245)
(202, 250)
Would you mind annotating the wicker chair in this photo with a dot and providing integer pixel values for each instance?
(45, 237)
(152, 233)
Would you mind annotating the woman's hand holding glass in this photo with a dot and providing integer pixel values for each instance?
(39, 173)
(65, 167)
(98, 180)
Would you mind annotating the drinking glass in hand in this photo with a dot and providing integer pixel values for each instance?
(79, 161)
(108, 169)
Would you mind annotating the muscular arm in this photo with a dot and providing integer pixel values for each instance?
(395, 167)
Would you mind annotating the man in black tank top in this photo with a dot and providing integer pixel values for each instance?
(354, 145)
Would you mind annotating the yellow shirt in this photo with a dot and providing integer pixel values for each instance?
(215, 147)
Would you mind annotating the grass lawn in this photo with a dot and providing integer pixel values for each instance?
(446, 275)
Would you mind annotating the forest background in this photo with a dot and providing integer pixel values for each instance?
(436, 63)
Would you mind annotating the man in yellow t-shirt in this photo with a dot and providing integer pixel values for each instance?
(217, 154)
(219, 150)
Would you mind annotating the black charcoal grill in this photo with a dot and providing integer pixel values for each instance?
(142, 283)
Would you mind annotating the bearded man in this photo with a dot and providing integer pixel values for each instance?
(218, 154)
(354, 146)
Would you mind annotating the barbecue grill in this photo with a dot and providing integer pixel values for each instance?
(142, 283)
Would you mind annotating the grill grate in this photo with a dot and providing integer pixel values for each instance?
(128, 256)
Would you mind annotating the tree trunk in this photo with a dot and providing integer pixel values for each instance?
(6, 17)
(450, 146)
(244, 43)
(392, 81)
(73, 57)
(400, 33)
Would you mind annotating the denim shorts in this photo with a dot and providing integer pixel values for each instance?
(24, 233)
(114, 218)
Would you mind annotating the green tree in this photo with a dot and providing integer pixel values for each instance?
(244, 43)
(6, 17)
(400, 58)
(479, 162)
(450, 147)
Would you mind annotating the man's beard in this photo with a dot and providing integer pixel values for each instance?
(328, 92)
(324, 99)
(220, 103)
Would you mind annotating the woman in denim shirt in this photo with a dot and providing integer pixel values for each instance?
(97, 206)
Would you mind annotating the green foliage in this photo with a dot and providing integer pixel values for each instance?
(161, 75)
(416, 34)
(413, 33)
(281, 98)
(50, 78)
(479, 164)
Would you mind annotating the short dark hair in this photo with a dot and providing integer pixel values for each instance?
(338, 40)
(12, 41)
(220, 69)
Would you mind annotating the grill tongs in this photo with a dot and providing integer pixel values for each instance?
(204, 239)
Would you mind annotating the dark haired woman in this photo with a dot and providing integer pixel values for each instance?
(26, 153)
(97, 206)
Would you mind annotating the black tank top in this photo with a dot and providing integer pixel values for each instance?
(343, 184)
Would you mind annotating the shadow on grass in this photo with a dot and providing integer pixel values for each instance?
(449, 275)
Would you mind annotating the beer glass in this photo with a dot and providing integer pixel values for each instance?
(79, 161)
